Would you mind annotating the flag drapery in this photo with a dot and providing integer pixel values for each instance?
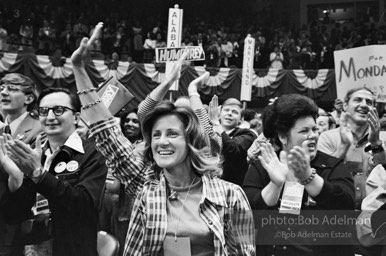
(140, 79)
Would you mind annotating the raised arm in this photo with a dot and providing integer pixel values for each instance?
(92, 105)
(126, 165)
(208, 120)
(160, 91)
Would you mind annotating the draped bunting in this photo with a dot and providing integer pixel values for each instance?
(140, 79)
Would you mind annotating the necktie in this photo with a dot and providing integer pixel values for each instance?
(7, 130)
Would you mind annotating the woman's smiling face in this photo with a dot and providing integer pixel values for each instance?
(168, 143)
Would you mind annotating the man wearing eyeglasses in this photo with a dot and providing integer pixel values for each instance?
(17, 98)
(67, 173)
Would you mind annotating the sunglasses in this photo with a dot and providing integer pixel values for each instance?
(57, 110)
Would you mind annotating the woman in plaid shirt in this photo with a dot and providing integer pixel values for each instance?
(182, 208)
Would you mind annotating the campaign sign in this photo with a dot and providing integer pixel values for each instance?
(174, 54)
(114, 95)
(361, 67)
(246, 79)
(174, 38)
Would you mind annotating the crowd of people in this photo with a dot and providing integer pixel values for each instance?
(49, 28)
(184, 178)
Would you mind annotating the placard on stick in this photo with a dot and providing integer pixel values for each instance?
(246, 81)
(174, 54)
(174, 38)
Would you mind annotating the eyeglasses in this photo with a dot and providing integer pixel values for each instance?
(57, 110)
(11, 87)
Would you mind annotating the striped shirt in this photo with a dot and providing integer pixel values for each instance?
(223, 206)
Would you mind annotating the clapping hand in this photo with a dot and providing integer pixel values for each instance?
(277, 169)
(299, 161)
(375, 127)
(9, 166)
(345, 129)
(26, 158)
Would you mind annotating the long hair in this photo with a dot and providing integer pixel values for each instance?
(200, 155)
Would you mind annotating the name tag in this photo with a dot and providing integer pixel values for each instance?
(291, 201)
(41, 205)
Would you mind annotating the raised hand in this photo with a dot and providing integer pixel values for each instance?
(198, 82)
(176, 70)
(26, 158)
(86, 45)
(214, 112)
(277, 169)
(299, 161)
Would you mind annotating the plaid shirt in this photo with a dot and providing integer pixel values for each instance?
(223, 206)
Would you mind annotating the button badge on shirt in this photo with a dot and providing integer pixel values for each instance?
(72, 166)
(60, 167)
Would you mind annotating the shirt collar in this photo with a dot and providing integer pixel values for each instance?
(230, 131)
(73, 141)
(211, 191)
(15, 123)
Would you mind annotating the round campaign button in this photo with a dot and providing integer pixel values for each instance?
(72, 166)
(60, 167)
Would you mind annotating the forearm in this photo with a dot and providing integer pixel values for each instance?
(15, 182)
(96, 112)
(160, 91)
(315, 186)
(271, 194)
(126, 165)
(145, 107)
(195, 102)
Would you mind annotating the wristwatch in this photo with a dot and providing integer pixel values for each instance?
(36, 173)
(374, 149)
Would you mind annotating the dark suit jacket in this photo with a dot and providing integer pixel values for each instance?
(27, 132)
(74, 198)
(235, 147)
